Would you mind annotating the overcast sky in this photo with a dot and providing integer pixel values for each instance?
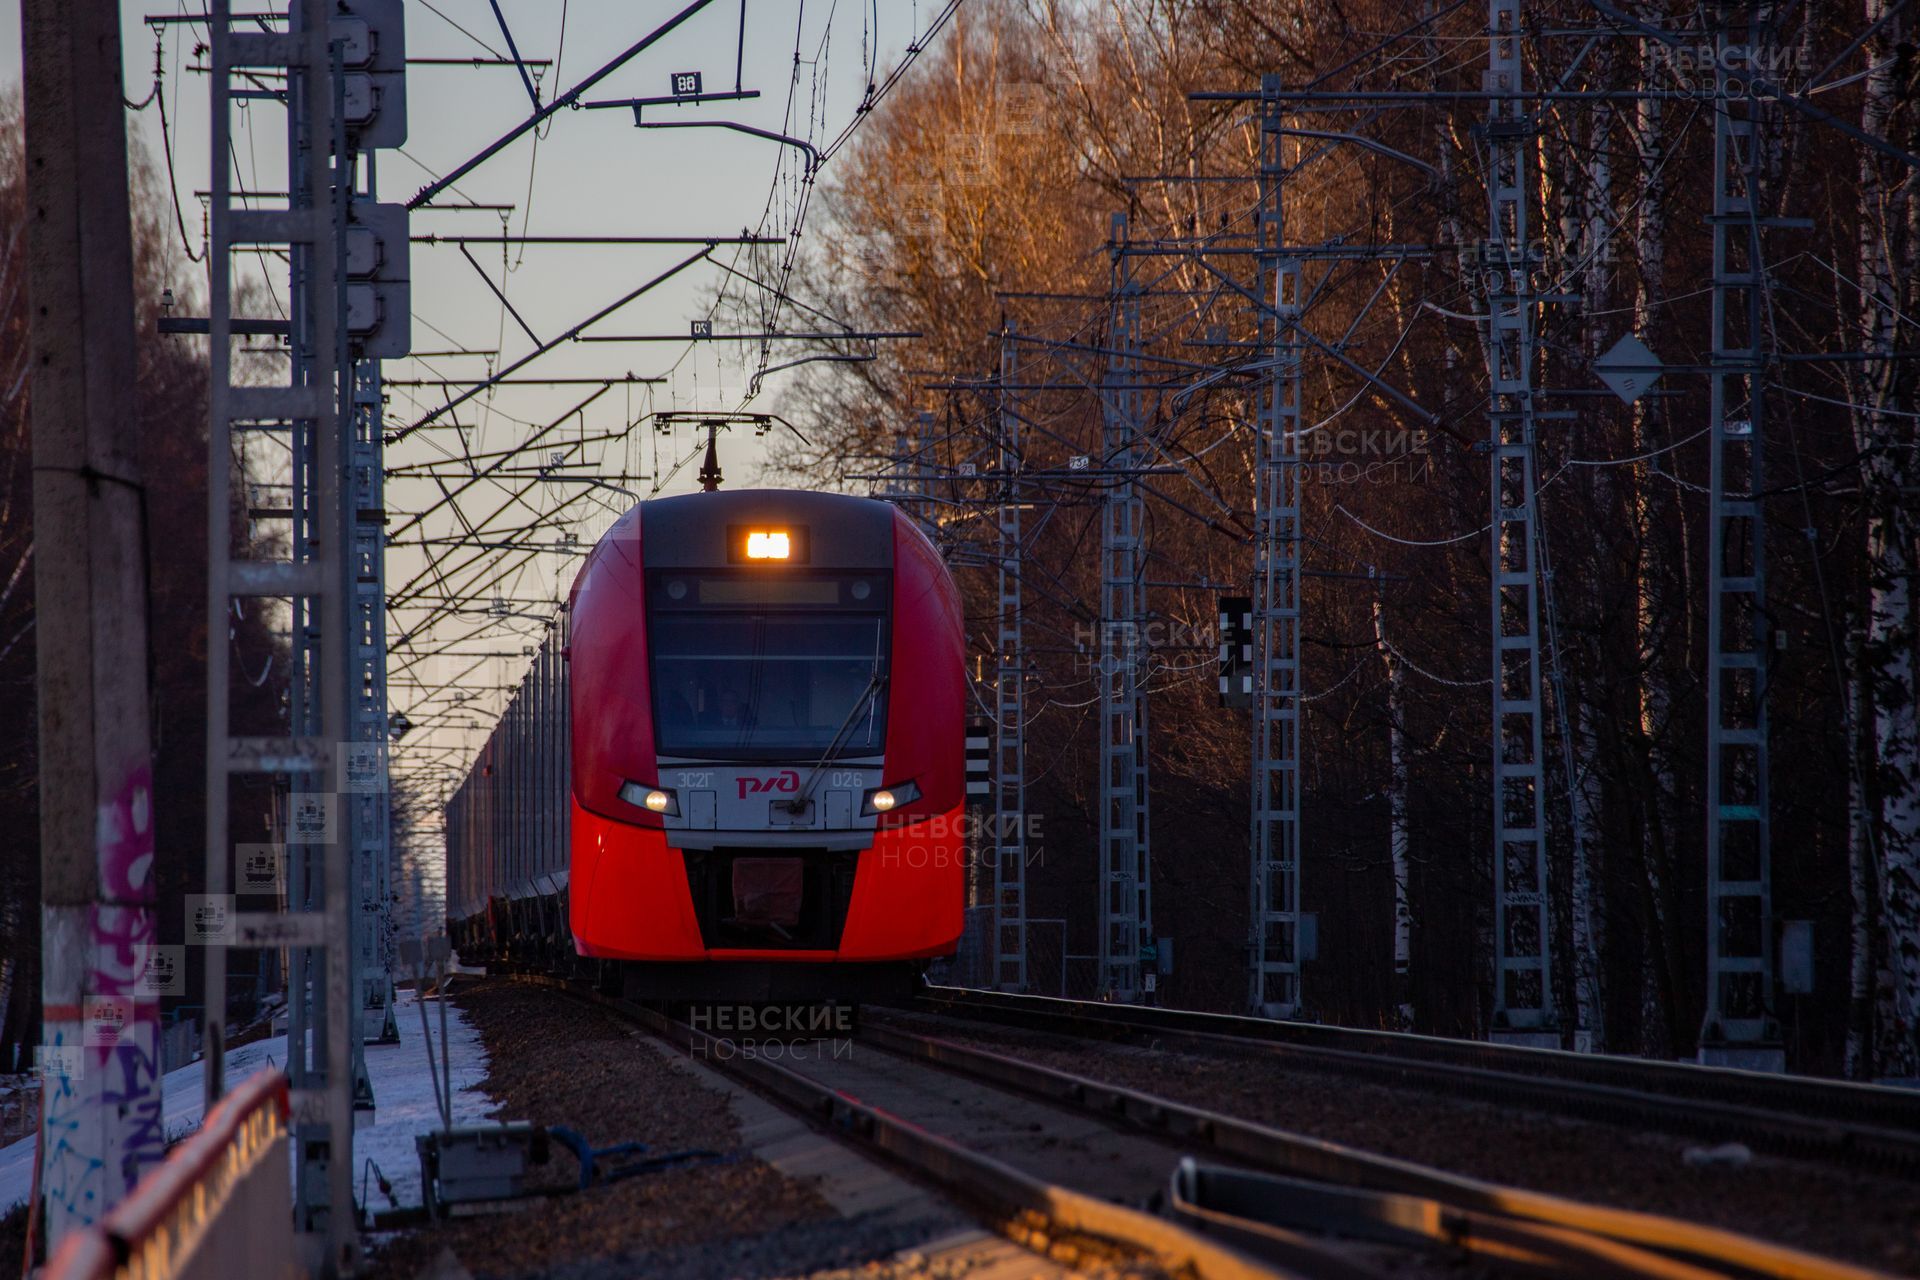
(590, 172)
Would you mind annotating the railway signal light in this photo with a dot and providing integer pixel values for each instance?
(378, 263)
(1236, 651)
(373, 51)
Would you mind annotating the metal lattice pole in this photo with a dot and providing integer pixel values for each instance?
(1739, 1016)
(1274, 908)
(1009, 703)
(1523, 972)
(924, 509)
(365, 787)
(899, 474)
(1126, 902)
(319, 926)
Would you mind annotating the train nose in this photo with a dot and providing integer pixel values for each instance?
(768, 894)
(747, 898)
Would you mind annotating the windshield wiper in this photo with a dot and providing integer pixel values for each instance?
(875, 684)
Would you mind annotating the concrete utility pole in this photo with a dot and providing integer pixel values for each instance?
(101, 1107)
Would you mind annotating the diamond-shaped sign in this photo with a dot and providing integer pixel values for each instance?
(1628, 368)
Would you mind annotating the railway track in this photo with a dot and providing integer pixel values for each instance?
(1114, 1180)
(1838, 1122)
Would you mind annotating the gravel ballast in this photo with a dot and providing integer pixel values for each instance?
(1859, 1217)
(555, 1061)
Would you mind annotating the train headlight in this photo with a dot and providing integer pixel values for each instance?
(885, 799)
(769, 544)
(653, 799)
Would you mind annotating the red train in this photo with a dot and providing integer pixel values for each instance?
(735, 769)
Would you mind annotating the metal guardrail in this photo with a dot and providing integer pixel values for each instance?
(221, 1204)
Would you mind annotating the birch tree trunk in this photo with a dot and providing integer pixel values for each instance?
(1584, 788)
(1861, 877)
(1456, 239)
(9, 970)
(1398, 828)
(1889, 238)
(1590, 1026)
(1652, 595)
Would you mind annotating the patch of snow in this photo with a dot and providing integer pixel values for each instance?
(402, 1095)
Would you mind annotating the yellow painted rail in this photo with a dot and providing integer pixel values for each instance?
(220, 1205)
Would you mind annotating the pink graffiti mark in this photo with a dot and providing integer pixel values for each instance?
(122, 921)
(124, 933)
(125, 839)
(123, 947)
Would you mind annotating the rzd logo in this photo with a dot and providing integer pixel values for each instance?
(785, 780)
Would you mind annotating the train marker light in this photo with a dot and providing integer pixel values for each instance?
(652, 799)
(757, 544)
(768, 545)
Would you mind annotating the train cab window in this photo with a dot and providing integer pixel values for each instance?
(741, 671)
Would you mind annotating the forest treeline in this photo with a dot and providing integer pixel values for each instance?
(980, 202)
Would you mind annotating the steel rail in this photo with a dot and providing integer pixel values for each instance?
(1018, 1206)
(1261, 1213)
(1298, 1247)
(1325, 1188)
(1839, 1121)
(1300, 1156)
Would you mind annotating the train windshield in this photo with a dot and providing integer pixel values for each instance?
(772, 669)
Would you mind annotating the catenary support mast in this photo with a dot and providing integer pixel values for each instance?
(1274, 908)
(90, 616)
(1009, 838)
(1523, 1005)
(318, 581)
(1739, 1027)
(1126, 892)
